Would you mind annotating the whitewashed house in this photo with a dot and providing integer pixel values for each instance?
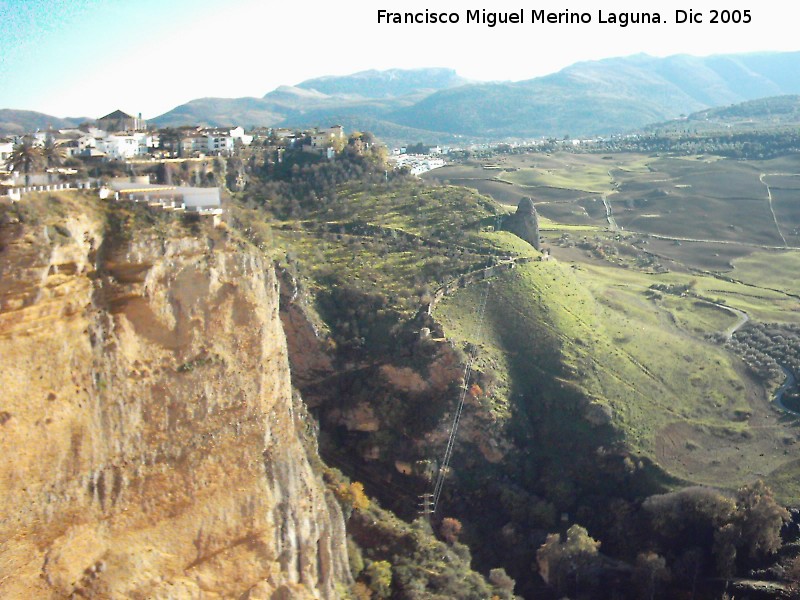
(118, 147)
(219, 144)
(6, 148)
(239, 136)
(205, 201)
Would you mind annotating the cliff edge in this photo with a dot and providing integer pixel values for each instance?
(153, 446)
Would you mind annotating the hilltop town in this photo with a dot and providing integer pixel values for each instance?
(168, 167)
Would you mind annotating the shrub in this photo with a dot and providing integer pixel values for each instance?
(379, 577)
(450, 529)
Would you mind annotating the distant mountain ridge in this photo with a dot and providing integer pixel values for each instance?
(776, 109)
(607, 96)
(362, 97)
(386, 84)
(17, 122)
(588, 98)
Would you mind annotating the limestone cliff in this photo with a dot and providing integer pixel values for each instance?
(152, 447)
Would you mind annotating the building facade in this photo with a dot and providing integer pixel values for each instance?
(120, 121)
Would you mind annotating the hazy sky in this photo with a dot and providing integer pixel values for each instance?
(89, 57)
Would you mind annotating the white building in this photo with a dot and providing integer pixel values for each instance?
(209, 142)
(219, 144)
(95, 132)
(6, 148)
(194, 199)
(85, 142)
(201, 199)
(239, 136)
(417, 163)
(118, 147)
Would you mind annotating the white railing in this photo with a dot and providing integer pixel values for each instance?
(153, 200)
(16, 193)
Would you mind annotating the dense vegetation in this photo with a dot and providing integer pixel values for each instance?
(742, 145)
(767, 348)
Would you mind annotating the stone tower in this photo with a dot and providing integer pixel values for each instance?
(524, 223)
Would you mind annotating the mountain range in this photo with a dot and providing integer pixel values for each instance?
(358, 101)
(587, 98)
(594, 97)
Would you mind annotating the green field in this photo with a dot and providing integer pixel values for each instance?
(772, 270)
(401, 243)
(585, 178)
(706, 199)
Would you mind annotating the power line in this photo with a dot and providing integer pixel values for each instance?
(448, 453)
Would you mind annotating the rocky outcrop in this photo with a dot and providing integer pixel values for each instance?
(152, 445)
(524, 223)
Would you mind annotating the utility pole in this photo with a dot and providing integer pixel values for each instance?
(425, 505)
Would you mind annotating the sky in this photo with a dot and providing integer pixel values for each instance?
(86, 58)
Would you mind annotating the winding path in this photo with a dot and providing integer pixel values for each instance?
(659, 236)
(612, 223)
(743, 318)
(769, 199)
(787, 383)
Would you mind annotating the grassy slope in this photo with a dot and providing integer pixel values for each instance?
(677, 398)
(603, 334)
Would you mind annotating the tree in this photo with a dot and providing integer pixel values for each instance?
(689, 566)
(567, 564)
(732, 529)
(650, 573)
(502, 584)
(53, 154)
(792, 573)
(25, 156)
(169, 138)
(379, 575)
(726, 538)
(164, 173)
(450, 529)
(351, 497)
(687, 518)
(760, 519)
(360, 500)
(754, 526)
(360, 591)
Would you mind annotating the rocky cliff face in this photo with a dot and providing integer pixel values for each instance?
(152, 445)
